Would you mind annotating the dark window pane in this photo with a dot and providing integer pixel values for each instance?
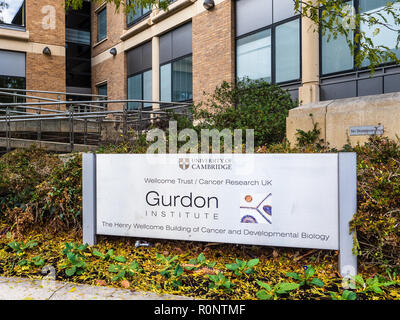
(135, 90)
(252, 15)
(11, 82)
(176, 43)
(339, 90)
(147, 87)
(283, 9)
(139, 58)
(287, 51)
(137, 15)
(102, 25)
(102, 90)
(12, 12)
(182, 41)
(254, 56)
(166, 85)
(392, 83)
(367, 87)
(12, 63)
(182, 88)
(77, 36)
(166, 47)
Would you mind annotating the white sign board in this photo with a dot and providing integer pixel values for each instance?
(289, 200)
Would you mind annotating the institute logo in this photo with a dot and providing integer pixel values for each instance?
(184, 163)
(256, 208)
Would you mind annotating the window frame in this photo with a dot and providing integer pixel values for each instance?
(272, 27)
(16, 26)
(142, 88)
(355, 68)
(137, 20)
(101, 10)
(171, 62)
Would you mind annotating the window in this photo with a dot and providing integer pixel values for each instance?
(12, 13)
(336, 55)
(12, 74)
(140, 75)
(176, 80)
(102, 25)
(138, 15)
(254, 56)
(385, 37)
(140, 88)
(268, 40)
(102, 90)
(287, 51)
(176, 76)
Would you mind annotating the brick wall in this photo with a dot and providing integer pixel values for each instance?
(45, 72)
(213, 49)
(113, 71)
(116, 23)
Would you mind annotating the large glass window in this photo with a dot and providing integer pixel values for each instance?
(102, 25)
(12, 12)
(140, 74)
(176, 75)
(176, 80)
(268, 40)
(287, 51)
(12, 74)
(254, 56)
(137, 15)
(140, 88)
(166, 82)
(182, 80)
(336, 55)
(386, 37)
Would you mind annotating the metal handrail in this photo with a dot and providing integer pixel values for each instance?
(50, 103)
(93, 113)
(56, 92)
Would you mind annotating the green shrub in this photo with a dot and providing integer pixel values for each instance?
(38, 190)
(247, 104)
(377, 221)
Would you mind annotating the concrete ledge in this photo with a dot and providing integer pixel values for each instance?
(26, 289)
(139, 27)
(47, 145)
(335, 117)
(21, 35)
(173, 8)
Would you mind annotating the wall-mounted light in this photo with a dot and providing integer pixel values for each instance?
(47, 51)
(113, 51)
(208, 4)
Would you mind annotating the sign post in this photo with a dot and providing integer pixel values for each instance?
(284, 200)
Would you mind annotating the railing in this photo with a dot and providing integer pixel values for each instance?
(79, 122)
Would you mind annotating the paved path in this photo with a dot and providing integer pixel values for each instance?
(26, 289)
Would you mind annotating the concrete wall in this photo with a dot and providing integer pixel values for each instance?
(335, 118)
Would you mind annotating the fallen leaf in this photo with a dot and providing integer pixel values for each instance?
(206, 270)
(101, 283)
